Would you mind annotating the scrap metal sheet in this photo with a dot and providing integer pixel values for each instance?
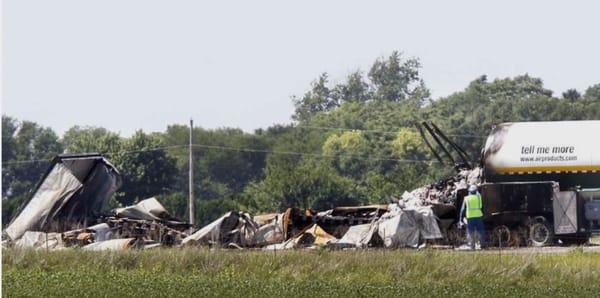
(57, 188)
(148, 209)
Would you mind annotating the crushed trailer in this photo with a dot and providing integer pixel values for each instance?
(65, 210)
(70, 194)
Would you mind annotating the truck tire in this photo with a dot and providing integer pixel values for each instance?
(541, 232)
(502, 236)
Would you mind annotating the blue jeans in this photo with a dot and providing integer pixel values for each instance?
(476, 224)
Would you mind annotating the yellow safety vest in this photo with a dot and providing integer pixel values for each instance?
(473, 206)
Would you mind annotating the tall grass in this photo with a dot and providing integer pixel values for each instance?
(172, 272)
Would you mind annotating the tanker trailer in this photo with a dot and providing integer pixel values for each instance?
(541, 181)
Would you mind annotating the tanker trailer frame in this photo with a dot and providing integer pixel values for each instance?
(542, 181)
(535, 213)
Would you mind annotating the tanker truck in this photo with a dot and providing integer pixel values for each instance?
(541, 182)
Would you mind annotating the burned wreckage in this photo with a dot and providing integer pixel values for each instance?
(537, 190)
(523, 204)
(64, 211)
(342, 227)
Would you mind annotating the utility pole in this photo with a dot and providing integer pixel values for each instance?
(191, 176)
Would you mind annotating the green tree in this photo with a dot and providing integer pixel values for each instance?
(9, 146)
(396, 80)
(91, 139)
(348, 151)
(572, 95)
(311, 184)
(145, 167)
(319, 99)
(225, 162)
(176, 203)
(592, 93)
(355, 89)
(408, 144)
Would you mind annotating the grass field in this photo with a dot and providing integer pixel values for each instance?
(191, 272)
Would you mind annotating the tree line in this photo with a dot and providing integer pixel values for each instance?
(351, 142)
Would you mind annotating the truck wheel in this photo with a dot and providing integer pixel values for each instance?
(540, 232)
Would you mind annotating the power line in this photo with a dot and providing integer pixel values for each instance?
(378, 131)
(354, 156)
(27, 161)
(269, 151)
(245, 149)
(103, 153)
(145, 150)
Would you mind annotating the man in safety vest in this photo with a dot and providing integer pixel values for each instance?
(472, 204)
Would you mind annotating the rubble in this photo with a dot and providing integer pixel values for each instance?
(40, 240)
(64, 212)
(312, 237)
(232, 228)
(148, 209)
(81, 237)
(406, 227)
(113, 244)
(358, 236)
(270, 232)
(339, 228)
(419, 216)
(443, 192)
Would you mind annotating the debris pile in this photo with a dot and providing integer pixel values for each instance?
(114, 232)
(339, 228)
(40, 240)
(444, 192)
(234, 229)
(64, 211)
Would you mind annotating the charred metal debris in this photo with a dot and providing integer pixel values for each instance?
(64, 212)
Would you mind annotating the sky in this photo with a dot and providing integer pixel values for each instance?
(143, 64)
